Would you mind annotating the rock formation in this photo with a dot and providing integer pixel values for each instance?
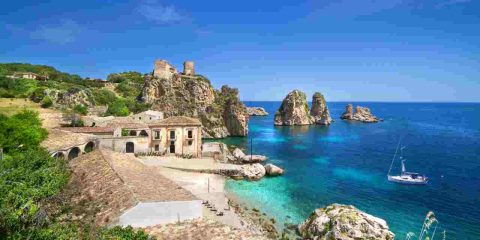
(272, 170)
(253, 172)
(70, 98)
(361, 114)
(256, 111)
(221, 112)
(240, 157)
(319, 110)
(294, 110)
(342, 222)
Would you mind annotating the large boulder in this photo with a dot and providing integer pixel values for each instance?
(272, 170)
(253, 172)
(238, 153)
(361, 114)
(342, 222)
(253, 158)
(294, 110)
(319, 110)
(256, 111)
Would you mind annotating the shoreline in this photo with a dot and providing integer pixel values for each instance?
(238, 213)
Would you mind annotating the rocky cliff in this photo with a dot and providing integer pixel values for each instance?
(294, 110)
(319, 111)
(71, 97)
(342, 222)
(361, 114)
(256, 111)
(221, 112)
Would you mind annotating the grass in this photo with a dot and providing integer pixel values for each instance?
(10, 106)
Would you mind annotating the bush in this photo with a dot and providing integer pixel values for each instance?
(38, 94)
(122, 233)
(80, 109)
(104, 96)
(118, 108)
(21, 130)
(46, 102)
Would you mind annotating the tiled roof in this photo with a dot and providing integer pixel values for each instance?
(177, 121)
(89, 129)
(60, 139)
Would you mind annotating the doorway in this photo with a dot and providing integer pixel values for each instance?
(130, 147)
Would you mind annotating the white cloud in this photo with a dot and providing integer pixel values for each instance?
(451, 2)
(154, 11)
(65, 32)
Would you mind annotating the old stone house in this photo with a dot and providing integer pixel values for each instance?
(28, 75)
(170, 136)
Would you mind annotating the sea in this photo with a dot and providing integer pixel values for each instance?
(347, 163)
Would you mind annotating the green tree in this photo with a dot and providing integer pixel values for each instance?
(104, 96)
(21, 130)
(80, 109)
(118, 108)
(47, 102)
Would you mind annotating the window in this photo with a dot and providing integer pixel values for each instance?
(157, 134)
(157, 147)
(190, 134)
(139, 118)
(133, 133)
(172, 134)
(190, 142)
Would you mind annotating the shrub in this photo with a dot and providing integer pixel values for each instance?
(80, 109)
(46, 102)
(122, 233)
(118, 108)
(21, 130)
(104, 97)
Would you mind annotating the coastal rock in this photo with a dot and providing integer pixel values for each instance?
(254, 158)
(272, 170)
(361, 114)
(342, 222)
(221, 112)
(238, 153)
(294, 110)
(319, 110)
(256, 111)
(253, 172)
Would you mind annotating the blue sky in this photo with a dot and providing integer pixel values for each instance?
(350, 50)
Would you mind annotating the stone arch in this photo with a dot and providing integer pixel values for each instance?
(73, 153)
(90, 146)
(143, 133)
(132, 133)
(59, 155)
(129, 147)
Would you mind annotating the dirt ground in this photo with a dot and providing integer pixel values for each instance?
(50, 117)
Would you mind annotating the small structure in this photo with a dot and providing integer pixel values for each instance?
(163, 69)
(68, 145)
(148, 116)
(188, 68)
(28, 75)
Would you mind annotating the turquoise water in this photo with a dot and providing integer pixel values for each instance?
(347, 163)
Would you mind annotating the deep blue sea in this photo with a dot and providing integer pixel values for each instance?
(348, 162)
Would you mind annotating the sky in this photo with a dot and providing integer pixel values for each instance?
(349, 50)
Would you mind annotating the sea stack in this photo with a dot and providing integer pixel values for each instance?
(256, 111)
(361, 114)
(344, 222)
(294, 110)
(319, 110)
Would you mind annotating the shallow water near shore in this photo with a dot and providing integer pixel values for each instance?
(347, 163)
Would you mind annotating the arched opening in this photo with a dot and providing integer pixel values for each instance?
(143, 133)
(132, 133)
(74, 152)
(59, 155)
(89, 147)
(93, 124)
(130, 147)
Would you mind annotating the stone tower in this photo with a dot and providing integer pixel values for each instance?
(188, 68)
(163, 69)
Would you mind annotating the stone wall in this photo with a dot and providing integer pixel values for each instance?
(163, 69)
(188, 68)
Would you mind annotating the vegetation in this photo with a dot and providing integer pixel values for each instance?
(80, 109)
(31, 180)
(118, 108)
(47, 102)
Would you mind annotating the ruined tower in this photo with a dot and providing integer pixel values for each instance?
(163, 69)
(188, 68)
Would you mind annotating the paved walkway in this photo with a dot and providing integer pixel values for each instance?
(194, 164)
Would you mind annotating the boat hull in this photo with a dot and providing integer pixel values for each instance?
(407, 180)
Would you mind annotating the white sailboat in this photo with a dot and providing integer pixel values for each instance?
(405, 177)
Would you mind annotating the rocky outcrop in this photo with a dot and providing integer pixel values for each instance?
(319, 110)
(256, 111)
(294, 110)
(253, 172)
(242, 158)
(342, 222)
(221, 112)
(361, 114)
(272, 170)
(71, 97)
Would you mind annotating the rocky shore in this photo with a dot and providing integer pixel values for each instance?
(256, 111)
(361, 114)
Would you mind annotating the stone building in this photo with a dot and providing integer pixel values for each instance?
(67, 145)
(28, 75)
(148, 116)
(163, 69)
(171, 136)
(188, 68)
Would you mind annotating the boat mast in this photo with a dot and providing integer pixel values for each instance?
(394, 155)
